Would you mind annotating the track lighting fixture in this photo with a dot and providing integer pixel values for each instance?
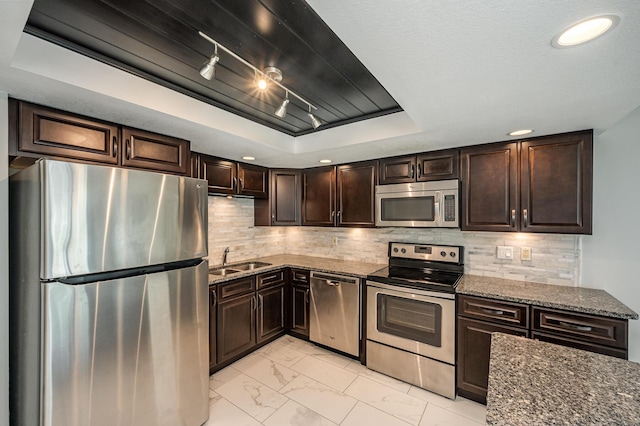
(314, 121)
(263, 79)
(281, 111)
(208, 69)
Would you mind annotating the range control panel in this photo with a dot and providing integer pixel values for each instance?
(426, 252)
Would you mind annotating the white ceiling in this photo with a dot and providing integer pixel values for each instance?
(465, 72)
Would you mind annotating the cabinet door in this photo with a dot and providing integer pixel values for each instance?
(212, 326)
(300, 309)
(253, 180)
(270, 312)
(397, 170)
(557, 175)
(437, 165)
(50, 132)
(286, 197)
(151, 151)
(236, 326)
(318, 196)
(489, 178)
(220, 174)
(356, 194)
(474, 348)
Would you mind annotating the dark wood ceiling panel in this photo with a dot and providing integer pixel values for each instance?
(158, 40)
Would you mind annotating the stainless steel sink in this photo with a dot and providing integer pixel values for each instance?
(249, 266)
(223, 271)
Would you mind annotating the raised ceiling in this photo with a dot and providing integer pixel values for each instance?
(158, 40)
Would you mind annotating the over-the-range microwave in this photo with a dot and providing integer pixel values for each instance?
(421, 204)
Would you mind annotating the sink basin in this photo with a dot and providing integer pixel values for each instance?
(248, 266)
(223, 271)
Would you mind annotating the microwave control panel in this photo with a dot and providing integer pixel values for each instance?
(449, 208)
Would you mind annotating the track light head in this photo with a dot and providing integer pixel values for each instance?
(281, 111)
(208, 69)
(314, 121)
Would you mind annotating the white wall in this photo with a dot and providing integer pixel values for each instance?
(4, 267)
(610, 257)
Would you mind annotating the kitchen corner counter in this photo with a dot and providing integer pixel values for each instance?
(538, 383)
(576, 299)
(321, 264)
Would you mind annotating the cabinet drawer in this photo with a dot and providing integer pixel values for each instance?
(580, 344)
(236, 288)
(590, 328)
(270, 278)
(511, 313)
(299, 276)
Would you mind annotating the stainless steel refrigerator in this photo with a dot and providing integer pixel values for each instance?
(108, 297)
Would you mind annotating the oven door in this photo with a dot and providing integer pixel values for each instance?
(417, 321)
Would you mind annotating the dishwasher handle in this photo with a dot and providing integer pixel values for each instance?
(332, 283)
(333, 280)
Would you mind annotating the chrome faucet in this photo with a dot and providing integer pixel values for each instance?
(224, 256)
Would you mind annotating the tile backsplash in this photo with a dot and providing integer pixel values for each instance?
(555, 258)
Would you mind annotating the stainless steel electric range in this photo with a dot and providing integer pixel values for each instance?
(411, 315)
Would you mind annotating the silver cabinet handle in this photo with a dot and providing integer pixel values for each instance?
(234, 183)
(575, 326)
(525, 216)
(419, 170)
(493, 311)
(513, 217)
(115, 146)
(413, 171)
(306, 296)
(214, 299)
(241, 183)
(128, 150)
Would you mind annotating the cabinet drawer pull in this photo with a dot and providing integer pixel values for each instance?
(513, 217)
(575, 326)
(128, 151)
(115, 146)
(270, 277)
(492, 311)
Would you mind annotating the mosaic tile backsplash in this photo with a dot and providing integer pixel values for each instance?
(555, 258)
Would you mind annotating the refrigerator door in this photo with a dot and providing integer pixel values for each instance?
(132, 351)
(98, 219)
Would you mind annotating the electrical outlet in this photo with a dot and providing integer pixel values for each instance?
(335, 241)
(505, 252)
(525, 253)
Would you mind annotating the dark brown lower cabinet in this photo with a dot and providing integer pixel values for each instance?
(270, 312)
(236, 326)
(474, 348)
(300, 310)
(213, 310)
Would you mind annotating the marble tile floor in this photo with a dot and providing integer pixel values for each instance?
(293, 382)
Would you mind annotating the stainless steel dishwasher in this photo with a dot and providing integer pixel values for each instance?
(335, 312)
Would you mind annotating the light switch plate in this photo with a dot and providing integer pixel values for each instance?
(525, 253)
(505, 252)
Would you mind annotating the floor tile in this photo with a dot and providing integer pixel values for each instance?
(281, 353)
(265, 371)
(430, 397)
(224, 413)
(295, 414)
(221, 377)
(363, 371)
(252, 397)
(363, 414)
(329, 374)
(438, 416)
(320, 398)
(389, 400)
(473, 410)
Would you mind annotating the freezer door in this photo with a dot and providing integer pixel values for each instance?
(96, 219)
(132, 351)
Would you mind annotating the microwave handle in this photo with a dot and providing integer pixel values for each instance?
(437, 212)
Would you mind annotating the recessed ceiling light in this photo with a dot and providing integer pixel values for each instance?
(585, 31)
(520, 132)
(248, 158)
(325, 161)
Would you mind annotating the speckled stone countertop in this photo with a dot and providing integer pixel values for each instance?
(321, 264)
(539, 383)
(577, 299)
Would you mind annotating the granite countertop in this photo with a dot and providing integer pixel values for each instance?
(539, 383)
(321, 264)
(576, 299)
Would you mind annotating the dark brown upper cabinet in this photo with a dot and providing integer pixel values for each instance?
(536, 185)
(283, 208)
(340, 196)
(151, 151)
(232, 178)
(436, 165)
(48, 132)
(43, 131)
